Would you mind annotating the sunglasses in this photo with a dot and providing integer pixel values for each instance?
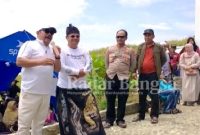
(120, 36)
(47, 31)
(73, 36)
(148, 35)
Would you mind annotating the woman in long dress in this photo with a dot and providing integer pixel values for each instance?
(189, 63)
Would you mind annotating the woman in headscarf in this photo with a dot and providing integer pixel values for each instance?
(189, 63)
(191, 40)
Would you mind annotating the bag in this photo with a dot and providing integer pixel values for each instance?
(191, 72)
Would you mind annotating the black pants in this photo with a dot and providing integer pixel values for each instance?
(116, 88)
(148, 85)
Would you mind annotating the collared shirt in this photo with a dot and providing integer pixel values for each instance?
(119, 61)
(37, 79)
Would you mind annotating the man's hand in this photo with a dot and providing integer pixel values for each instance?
(81, 73)
(187, 68)
(162, 76)
(134, 76)
(46, 61)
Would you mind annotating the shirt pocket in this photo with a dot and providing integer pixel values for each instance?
(111, 58)
(126, 59)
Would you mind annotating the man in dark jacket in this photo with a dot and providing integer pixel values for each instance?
(150, 58)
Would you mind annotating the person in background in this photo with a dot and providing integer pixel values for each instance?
(166, 70)
(3, 104)
(150, 58)
(119, 63)
(189, 63)
(50, 119)
(174, 61)
(10, 116)
(169, 96)
(191, 40)
(78, 113)
(38, 61)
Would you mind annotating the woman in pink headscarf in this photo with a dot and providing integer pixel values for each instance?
(189, 63)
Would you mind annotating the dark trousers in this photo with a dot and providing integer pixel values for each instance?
(116, 88)
(170, 98)
(148, 85)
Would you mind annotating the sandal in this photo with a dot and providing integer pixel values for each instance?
(175, 111)
(170, 112)
(154, 120)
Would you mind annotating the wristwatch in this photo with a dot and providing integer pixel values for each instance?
(57, 58)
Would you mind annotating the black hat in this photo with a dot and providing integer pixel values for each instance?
(51, 30)
(148, 31)
(72, 29)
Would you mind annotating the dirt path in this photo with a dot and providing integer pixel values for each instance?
(185, 123)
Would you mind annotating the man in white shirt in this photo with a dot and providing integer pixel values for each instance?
(38, 61)
(77, 110)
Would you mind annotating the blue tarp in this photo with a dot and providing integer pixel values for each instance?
(8, 72)
(9, 47)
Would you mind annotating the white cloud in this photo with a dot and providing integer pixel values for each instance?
(138, 3)
(97, 35)
(33, 14)
(99, 31)
(188, 14)
(175, 30)
(159, 26)
(185, 26)
(102, 28)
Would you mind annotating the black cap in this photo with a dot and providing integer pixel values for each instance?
(51, 30)
(148, 31)
(72, 29)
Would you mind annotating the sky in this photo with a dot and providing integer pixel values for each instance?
(99, 20)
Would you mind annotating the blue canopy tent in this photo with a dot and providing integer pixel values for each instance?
(9, 47)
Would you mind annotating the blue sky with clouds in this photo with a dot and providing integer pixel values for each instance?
(98, 20)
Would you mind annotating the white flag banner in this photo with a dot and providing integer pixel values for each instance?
(197, 22)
